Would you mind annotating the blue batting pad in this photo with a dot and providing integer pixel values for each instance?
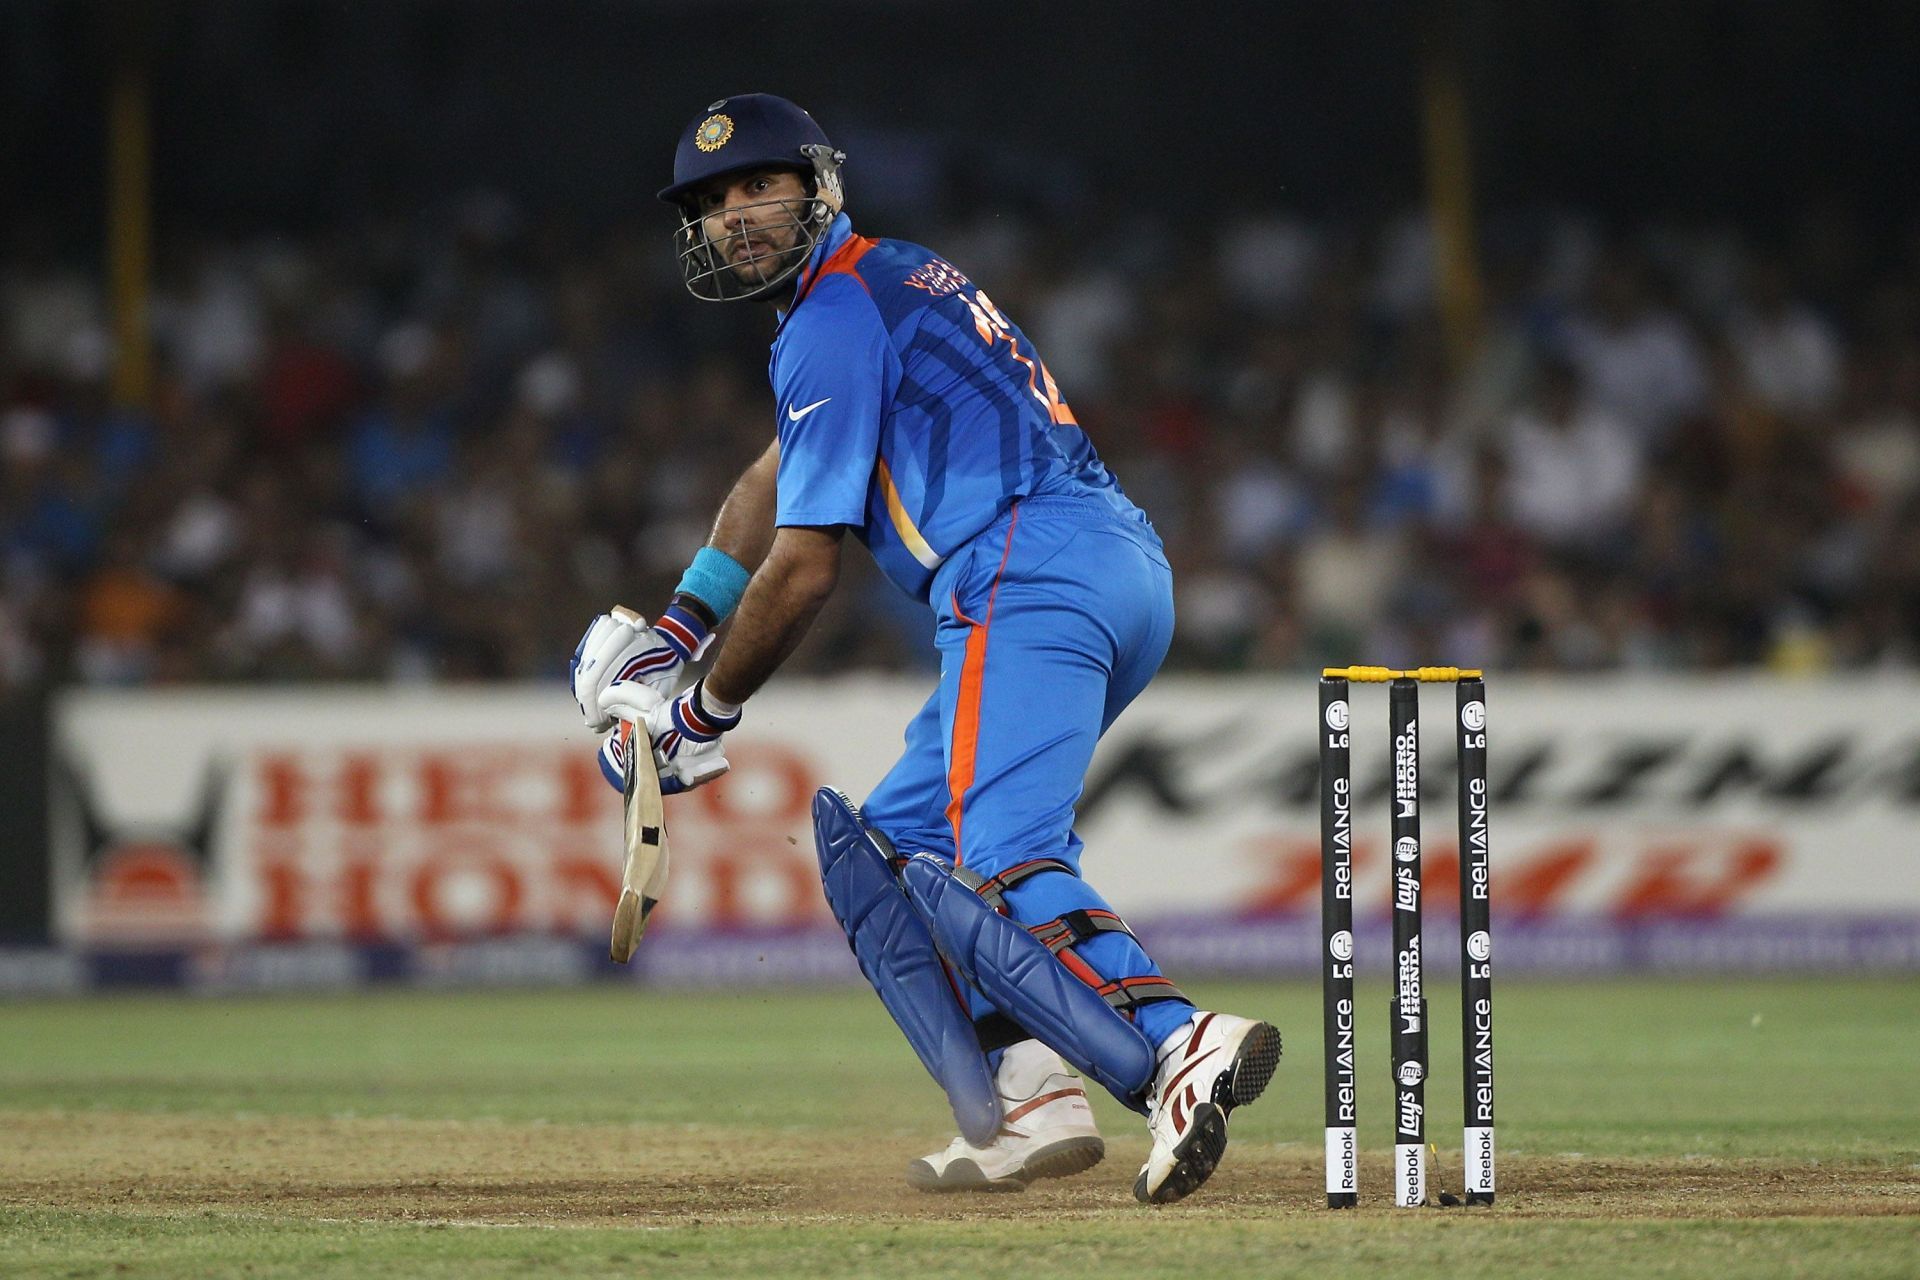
(1028, 983)
(896, 953)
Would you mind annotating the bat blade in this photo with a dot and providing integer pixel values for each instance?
(645, 874)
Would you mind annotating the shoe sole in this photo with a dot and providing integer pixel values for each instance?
(1198, 1154)
(1060, 1159)
(1065, 1158)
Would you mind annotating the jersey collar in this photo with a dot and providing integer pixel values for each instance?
(838, 232)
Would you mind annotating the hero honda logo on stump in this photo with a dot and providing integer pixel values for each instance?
(1408, 1031)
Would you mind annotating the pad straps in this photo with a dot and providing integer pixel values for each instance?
(1062, 932)
(1128, 994)
(995, 890)
(1077, 926)
(1124, 994)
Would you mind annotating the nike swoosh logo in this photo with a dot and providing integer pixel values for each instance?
(794, 415)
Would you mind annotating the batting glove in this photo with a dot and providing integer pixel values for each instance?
(620, 648)
(686, 733)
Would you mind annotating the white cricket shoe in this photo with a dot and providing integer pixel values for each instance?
(1207, 1068)
(1046, 1130)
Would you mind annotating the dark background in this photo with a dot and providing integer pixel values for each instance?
(425, 392)
(297, 113)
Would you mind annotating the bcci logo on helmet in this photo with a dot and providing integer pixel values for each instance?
(713, 133)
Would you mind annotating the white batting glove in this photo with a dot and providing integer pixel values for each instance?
(687, 734)
(619, 645)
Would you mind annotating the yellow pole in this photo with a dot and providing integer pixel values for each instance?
(1450, 203)
(130, 231)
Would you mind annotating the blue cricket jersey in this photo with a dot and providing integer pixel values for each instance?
(913, 411)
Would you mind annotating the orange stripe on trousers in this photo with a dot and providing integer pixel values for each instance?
(966, 711)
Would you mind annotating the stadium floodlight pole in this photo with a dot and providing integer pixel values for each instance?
(1476, 940)
(1336, 943)
(1409, 1006)
(129, 212)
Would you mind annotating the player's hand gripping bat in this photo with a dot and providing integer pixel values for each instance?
(645, 876)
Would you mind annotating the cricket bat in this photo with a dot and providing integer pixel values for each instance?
(645, 876)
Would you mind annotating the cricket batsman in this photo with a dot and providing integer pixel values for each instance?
(913, 414)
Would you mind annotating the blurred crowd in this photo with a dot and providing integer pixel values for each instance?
(433, 446)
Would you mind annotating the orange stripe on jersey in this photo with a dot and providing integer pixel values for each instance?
(903, 524)
(966, 711)
(844, 260)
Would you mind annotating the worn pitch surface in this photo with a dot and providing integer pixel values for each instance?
(1646, 1128)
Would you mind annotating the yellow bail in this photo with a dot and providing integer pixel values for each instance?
(1380, 675)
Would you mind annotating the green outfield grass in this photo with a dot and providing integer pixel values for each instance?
(1205, 1248)
(1656, 1128)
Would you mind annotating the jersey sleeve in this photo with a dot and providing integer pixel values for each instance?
(833, 375)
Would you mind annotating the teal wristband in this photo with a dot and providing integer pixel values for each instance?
(716, 580)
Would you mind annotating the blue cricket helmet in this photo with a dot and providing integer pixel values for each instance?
(736, 135)
(747, 131)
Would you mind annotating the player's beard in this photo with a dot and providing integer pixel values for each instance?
(759, 254)
(765, 263)
(757, 269)
(724, 264)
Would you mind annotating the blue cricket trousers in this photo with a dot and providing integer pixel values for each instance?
(1049, 623)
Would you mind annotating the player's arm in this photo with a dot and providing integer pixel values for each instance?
(743, 529)
(799, 573)
(617, 648)
(832, 377)
(780, 603)
(832, 380)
